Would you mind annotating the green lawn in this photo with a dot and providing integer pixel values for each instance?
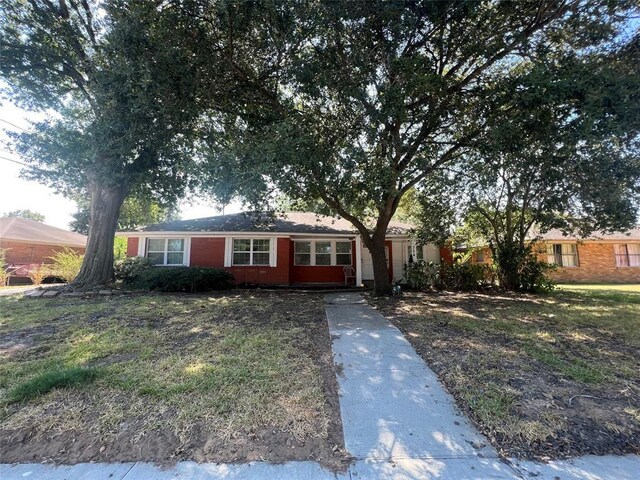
(129, 373)
(548, 375)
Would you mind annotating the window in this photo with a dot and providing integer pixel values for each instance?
(321, 252)
(415, 252)
(302, 253)
(343, 253)
(627, 255)
(562, 254)
(480, 256)
(251, 251)
(165, 251)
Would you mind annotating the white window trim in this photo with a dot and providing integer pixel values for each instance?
(313, 252)
(413, 245)
(228, 251)
(186, 253)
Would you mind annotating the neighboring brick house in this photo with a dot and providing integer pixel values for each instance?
(297, 248)
(607, 258)
(602, 258)
(27, 244)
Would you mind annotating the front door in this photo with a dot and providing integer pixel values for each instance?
(367, 263)
(388, 253)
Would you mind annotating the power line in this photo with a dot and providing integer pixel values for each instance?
(14, 161)
(13, 125)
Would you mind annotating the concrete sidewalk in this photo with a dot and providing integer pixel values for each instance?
(401, 424)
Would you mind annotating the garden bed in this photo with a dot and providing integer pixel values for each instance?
(231, 377)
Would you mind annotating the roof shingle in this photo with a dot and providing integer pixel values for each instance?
(23, 230)
(291, 222)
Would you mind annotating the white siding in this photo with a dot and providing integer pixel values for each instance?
(432, 253)
(367, 264)
(398, 260)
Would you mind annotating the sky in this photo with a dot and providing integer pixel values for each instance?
(19, 194)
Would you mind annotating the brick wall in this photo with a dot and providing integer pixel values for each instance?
(207, 252)
(597, 263)
(20, 252)
(132, 246)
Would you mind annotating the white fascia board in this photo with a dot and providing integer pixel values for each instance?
(181, 234)
(292, 236)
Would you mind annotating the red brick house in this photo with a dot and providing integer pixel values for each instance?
(600, 258)
(28, 244)
(608, 258)
(292, 249)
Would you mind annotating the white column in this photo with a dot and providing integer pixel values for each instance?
(141, 246)
(358, 260)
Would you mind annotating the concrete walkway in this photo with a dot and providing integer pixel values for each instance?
(399, 423)
(7, 291)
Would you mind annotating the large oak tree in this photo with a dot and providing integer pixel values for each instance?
(117, 78)
(373, 98)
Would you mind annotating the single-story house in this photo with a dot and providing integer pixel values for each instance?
(605, 257)
(290, 249)
(27, 244)
(612, 257)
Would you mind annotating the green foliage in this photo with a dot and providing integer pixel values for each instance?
(465, 276)
(38, 273)
(66, 264)
(182, 279)
(4, 272)
(119, 249)
(28, 214)
(120, 80)
(518, 268)
(135, 212)
(45, 382)
(392, 93)
(129, 269)
(533, 276)
(420, 275)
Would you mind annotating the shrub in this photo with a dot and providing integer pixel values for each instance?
(465, 276)
(119, 248)
(5, 274)
(128, 270)
(39, 273)
(66, 264)
(183, 279)
(533, 275)
(419, 275)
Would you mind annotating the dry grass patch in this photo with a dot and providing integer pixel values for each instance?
(230, 377)
(542, 376)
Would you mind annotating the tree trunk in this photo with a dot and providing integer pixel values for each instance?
(381, 282)
(97, 266)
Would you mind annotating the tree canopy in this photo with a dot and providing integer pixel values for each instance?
(134, 212)
(28, 214)
(563, 154)
(117, 77)
(375, 98)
